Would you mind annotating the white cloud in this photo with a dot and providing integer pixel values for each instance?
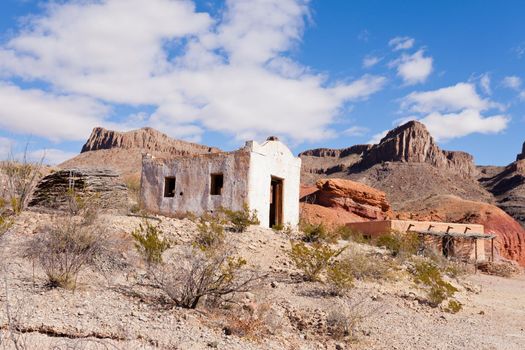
(455, 111)
(377, 137)
(512, 82)
(466, 122)
(370, 61)
(56, 117)
(522, 95)
(413, 69)
(452, 98)
(401, 43)
(228, 74)
(51, 156)
(5, 147)
(484, 82)
(355, 131)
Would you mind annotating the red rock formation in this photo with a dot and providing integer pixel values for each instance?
(337, 201)
(510, 241)
(522, 154)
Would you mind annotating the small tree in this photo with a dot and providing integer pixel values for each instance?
(149, 243)
(314, 259)
(240, 219)
(216, 274)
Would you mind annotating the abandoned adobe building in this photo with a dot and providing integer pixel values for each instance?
(465, 242)
(263, 176)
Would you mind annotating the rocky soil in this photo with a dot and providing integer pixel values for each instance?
(119, 308)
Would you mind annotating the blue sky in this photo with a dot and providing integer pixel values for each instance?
(316, 73)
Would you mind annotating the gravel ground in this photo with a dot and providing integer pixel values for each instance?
(120, 310)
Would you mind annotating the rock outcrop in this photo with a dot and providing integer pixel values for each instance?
(102, 185)
(336, 202)
(122, 151)
(522, 154)
(412, 143)
(510, 241)
(508, 187)
(145, 138)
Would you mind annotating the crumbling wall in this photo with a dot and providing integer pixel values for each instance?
(192, 182)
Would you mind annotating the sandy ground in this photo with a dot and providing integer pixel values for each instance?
(115, 310)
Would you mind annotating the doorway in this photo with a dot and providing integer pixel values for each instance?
(447, 244)
(276, 202)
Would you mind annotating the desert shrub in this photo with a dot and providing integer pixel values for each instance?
(253, 323)
(341, 323)
(286, 229)
(316, 233)
(217, 275)
(399, 244)
(349, 234)
(313, 260)
(240, 220)
(21, 179)
(6, 220)
(65, 248)
(453, 306)
(502, 268)
(339, 277)
(150, 243)
(428, 274)
(210, 233)
(368, 267)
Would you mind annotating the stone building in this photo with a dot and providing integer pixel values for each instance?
(462, 241)
(263, 176)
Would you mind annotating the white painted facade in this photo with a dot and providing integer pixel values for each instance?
(273, 158)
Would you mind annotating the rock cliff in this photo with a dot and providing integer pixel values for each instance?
(145, 138)
(122, 151)
(412, 143)
(522, 154)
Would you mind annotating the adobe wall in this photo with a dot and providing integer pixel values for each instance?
(273, 158)
(192, 186)
(462, 247)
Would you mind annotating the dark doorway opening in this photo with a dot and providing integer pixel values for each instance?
(169, 187)
(217, 181)
(276, 202)
(448, 246)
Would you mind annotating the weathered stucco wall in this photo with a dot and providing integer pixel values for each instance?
(247, 175)
(273, 158)
(462, 247)
(193, 181)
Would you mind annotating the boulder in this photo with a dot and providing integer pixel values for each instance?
(336, 202)
(102, 185)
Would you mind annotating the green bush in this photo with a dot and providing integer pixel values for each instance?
(429, 275)
(313, 260)
(210, 233)
(339, 277)
(367, 267)
(349, 234)
(453, 306)
(240, 220)
(399, 244)
(149, 243)
(316, 233)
